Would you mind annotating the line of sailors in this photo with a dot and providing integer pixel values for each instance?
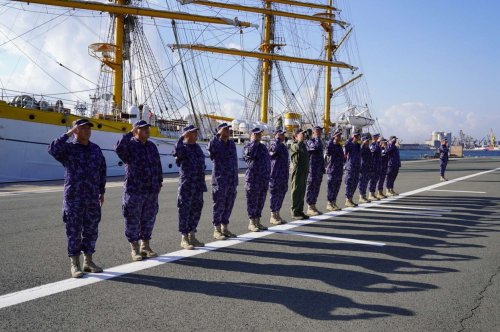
(367, 165)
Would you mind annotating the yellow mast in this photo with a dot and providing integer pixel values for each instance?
(118, 65)
(257, 10)
(137, 11)
(266, 48)
(328, 74)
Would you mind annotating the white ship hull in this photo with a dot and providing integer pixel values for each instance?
(24, 156)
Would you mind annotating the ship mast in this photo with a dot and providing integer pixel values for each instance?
(328, 74)
(120, 9)
(266, 47)
(118, 63)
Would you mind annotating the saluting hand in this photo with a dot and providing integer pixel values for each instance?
(71, 131)
(101, 200)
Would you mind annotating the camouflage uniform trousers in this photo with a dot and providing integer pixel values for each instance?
(364, 177)
(313, 187)
(334, 181)
(381, 180)
(139, 211)
(376, 175)
(351, 182)
(224, 199)
(189, 205)
(256, 197)
(392, 173)
(277, 194)
(82, 221)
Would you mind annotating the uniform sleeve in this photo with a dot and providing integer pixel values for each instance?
(212, 148)
(329, 148)
(179, 151)
(250, 151)
(102, 171)
(273, 149)
(59, 149)
(159, 167)
(314, 145)
(294, 148)
(122, 147)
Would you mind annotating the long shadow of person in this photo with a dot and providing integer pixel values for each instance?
(308, 303)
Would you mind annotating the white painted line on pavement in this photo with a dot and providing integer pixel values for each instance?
(406, 207)
(461, 191)
(332, 238)
(30, 294)
(404, 212)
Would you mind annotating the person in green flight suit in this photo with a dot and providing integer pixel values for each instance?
(300, 169)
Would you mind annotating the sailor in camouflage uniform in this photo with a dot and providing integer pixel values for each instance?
(190, 159)
(366, 169)
(376, 167)
(222, 151)
(393, 165)
(334, 170)
(383, 168)
(280, 170)
(84, 186)
(257, 177)
(316, 170)
(143, 182)
(443, 159)
(352, 167)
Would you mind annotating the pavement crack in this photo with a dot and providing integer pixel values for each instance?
(478, 300)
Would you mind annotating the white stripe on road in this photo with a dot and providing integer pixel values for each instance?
(406, 207)
(30, 294)
(404, 212)
(331, 238)
(461, 191)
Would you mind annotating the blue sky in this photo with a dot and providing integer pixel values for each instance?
(437, 53)
(430, 65)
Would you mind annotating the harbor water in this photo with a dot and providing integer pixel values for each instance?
(422, 154)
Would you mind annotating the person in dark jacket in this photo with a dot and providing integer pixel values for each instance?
(352, 150)
(383, 168)
(316, 170)
(222, 151)
(190, 159)
(143, 182)
(257, 177)
(444, 152)
(393, 165)
(278, 181)
(376, 167)
(366, 169)
(84, 187)
(334, 170)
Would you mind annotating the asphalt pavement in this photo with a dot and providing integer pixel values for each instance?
(427, 260)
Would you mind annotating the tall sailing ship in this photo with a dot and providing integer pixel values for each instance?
(175, 63)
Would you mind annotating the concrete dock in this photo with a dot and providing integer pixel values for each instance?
(426, 260)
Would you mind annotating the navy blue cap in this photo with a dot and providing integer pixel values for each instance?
(298, 131)
(257, 130)
(337, 133)
(376, 135)
(141, 124)
(318, 128)
(365, 138)
(82, 122)
(392, 137)
(222, 126)
(279, 131)
(383, 140)
(356, 133)
(188, 129)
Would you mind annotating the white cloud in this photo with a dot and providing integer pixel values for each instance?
(415, 121)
